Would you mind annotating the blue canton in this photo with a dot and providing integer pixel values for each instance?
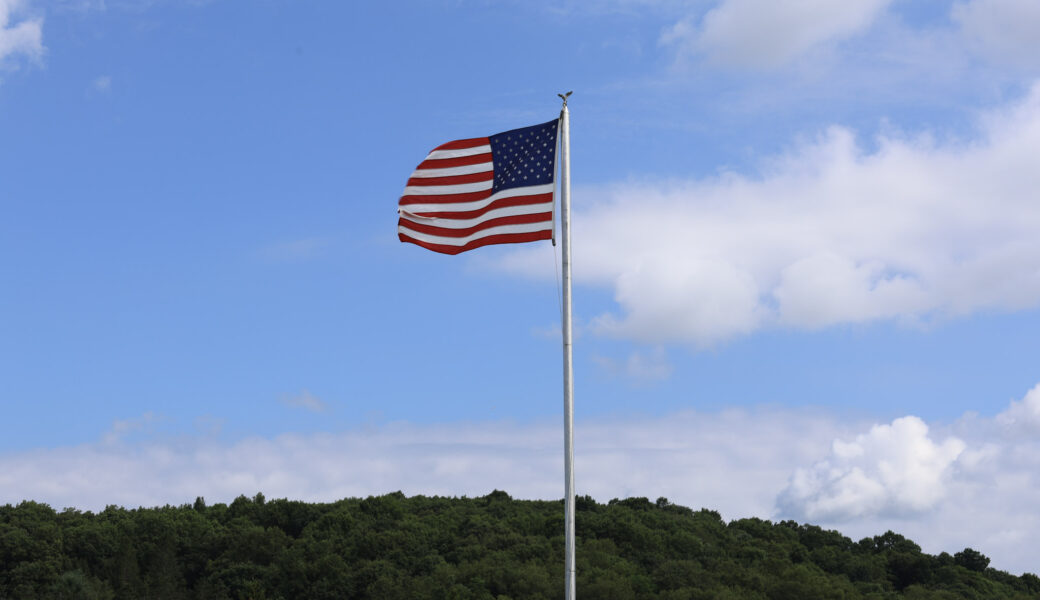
(524, 157)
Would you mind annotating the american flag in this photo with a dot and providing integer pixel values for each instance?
(481, 191)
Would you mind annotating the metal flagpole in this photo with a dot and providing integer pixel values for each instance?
(568, 381)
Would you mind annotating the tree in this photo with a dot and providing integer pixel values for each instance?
(972, 560)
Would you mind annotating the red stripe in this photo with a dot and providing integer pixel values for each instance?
(500, 203)
(545, 217)
(463, 144)
(444, 198)
(452, 179)
(462, 161)
(503, 238)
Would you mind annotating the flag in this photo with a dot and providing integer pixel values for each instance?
(480, 191)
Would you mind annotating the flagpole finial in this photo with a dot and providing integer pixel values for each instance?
(565, 96)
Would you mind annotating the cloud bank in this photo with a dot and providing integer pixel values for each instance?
(131, 469)
(828, 233)
(973, 483)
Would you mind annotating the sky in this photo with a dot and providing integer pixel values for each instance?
(806, 261)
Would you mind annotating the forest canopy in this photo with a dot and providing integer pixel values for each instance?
(489, 548)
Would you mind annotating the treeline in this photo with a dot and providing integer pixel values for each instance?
(487, 548)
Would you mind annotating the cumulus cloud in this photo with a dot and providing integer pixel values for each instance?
(893, 469)
(23, 38)
(827, 233)
(975, 482)
(1005, 30)
(1023, 417)
(766, 34)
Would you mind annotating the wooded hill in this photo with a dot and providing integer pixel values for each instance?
(492, 547)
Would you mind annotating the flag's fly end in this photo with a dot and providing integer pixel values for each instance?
(480, 191)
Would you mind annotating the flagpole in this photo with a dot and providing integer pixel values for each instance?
(568, 381)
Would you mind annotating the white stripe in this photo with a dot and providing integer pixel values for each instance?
(436, 190)
(545, 188)
(462, 241)
(459, 153)
(463, 170)
(508, 211)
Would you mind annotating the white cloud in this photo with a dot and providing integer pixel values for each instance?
(1005, 30)
(766, 33)
(101, 84)
(639, 366)
(828, 233)
(669, 305)
(24, 38)
(893, 469)
(690, 454)
(1023, 417)
(307, 401)
(973, 483)
(977, 487)
(137, 428)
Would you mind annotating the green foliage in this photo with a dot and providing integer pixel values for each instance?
(487, 548)
(971, 560)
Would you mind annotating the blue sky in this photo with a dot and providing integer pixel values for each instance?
(814, 222)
